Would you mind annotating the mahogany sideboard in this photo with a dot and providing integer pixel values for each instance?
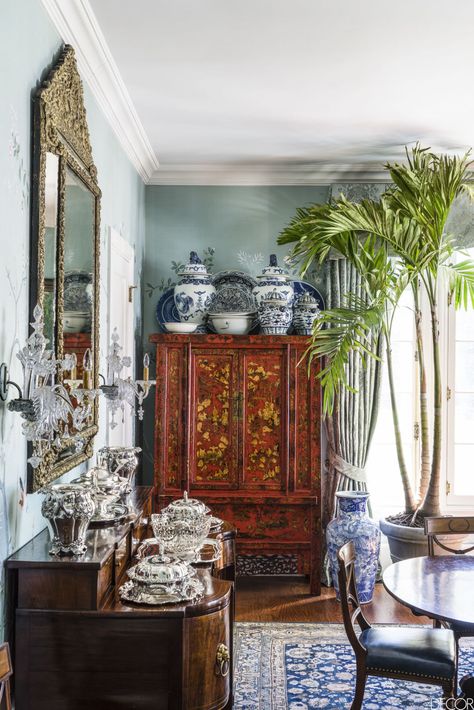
(237, 424)
(76, 645)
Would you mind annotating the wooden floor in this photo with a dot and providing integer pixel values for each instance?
(287, 599)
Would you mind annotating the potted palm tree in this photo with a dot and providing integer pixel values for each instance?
(395, 243)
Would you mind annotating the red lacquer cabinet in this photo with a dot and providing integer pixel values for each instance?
(237, 424)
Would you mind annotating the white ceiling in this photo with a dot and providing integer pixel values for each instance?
(292, 86)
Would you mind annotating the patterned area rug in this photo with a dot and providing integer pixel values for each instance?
(304, 666)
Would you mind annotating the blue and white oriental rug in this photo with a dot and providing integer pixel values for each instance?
(305, 666)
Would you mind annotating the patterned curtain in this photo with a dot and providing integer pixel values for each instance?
(351, 426)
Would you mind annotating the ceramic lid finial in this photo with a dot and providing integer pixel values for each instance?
(273, 260)
(194, 259)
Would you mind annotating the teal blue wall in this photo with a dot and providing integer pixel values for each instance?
(227, 220)
(28, 45)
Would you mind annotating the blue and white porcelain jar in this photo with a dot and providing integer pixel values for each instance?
(272, 278)
(274, 313)
(194, 293)
(306, 310)
(353, 523)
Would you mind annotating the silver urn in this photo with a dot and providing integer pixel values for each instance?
(120, 460)
(275, 313)
(306, 311)
(68, 508)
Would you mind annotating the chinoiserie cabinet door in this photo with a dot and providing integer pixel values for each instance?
(214, 418)
(170, 407)
(304, 434)
(264, 411)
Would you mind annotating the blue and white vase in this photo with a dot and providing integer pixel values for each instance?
(306, 311)
(353, 523)
(274, 314)
(194, 293)
(272, 278)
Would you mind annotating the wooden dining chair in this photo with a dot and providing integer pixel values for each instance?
(415, 654)
(450, 526)
(6, 671)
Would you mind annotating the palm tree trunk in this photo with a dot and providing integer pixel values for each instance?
(410, 504)
(430, 504)
(424, 420)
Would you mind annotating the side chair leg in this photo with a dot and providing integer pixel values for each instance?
(360, 689)
(449, 689)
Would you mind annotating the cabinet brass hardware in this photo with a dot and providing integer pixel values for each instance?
(222, 660)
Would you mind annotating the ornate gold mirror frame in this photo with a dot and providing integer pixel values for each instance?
(61, 140)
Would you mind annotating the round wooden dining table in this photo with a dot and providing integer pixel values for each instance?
(441, 587)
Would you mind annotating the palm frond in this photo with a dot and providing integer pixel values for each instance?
(338, 333)
(461, 282)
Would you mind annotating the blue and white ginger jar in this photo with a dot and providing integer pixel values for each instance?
(272, 278)
(274, 314)
(194, 293)
(306, 311)
(353, 523)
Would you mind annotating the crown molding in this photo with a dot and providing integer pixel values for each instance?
(78, 26)
(268, 174)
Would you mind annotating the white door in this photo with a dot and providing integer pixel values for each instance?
(120, 311)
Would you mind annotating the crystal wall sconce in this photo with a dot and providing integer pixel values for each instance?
(50, 416)
(119, 391)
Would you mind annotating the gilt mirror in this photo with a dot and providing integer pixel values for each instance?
(64, 278)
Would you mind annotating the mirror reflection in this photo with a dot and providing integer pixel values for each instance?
(50, 247)
(79, 236)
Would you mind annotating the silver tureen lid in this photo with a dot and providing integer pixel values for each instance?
(186, 507)
(160, 569)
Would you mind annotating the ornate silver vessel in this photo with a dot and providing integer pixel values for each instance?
(68, 508)
(160, 579)
(107, 491)
(182, 538)
(186, 508)
(121, 460)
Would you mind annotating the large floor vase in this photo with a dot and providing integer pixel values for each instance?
(353, 523)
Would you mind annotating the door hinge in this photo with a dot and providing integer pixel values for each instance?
(130, 293)
(448, 393)
(450, 298)
(448, 488)
(416, 430)
(416, 355)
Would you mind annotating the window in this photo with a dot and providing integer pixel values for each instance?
(459, 426)
(382, 466)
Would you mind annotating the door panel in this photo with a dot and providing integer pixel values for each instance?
(264, 413)
(214, 419)
(304, 424)
(120, 316)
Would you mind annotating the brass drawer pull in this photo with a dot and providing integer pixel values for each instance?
(222, 660)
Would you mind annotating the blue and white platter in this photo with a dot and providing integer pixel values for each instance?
(166, 311)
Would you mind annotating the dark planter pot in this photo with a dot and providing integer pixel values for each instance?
(405, 542)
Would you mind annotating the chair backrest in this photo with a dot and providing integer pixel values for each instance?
(448, 525)
(6, 671)
(351, 609)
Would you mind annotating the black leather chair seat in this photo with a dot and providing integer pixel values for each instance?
(422, 653)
